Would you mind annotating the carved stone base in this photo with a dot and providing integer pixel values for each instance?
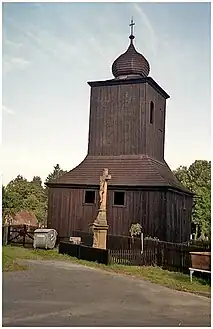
(101, 218)
(100, 236)
(100, 228)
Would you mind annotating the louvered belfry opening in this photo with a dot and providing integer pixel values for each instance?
(128, 139)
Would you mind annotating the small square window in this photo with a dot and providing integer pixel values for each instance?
(89, 197)
(119, 198)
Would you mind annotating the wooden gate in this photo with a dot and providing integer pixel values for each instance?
(19, 234)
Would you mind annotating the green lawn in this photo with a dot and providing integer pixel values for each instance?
(178, 281)
(12, 254)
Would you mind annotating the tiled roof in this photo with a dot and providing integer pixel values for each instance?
(23, 218)
(133, 170)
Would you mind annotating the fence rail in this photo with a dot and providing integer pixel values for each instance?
(18, 234)
(114, 242)
(124, 250)
(172, 257)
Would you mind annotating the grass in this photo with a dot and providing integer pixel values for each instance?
(178, 281)
(11, 255)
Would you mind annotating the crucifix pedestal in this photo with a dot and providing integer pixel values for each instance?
(100, 225)
(99, 235)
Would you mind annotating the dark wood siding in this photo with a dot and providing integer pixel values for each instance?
(155, 132)
(67, 211)
(120, 121)
(116, 116)
(162, 214)
(178, 216)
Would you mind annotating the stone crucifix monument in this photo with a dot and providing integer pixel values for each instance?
(100, 225)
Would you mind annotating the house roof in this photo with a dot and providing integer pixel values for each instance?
(131, 170)
(22, 218)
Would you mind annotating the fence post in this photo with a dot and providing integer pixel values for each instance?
(79, 251)
(24, 235)
(159, 254)
(109, 260)
(8, 234)
(4, 235)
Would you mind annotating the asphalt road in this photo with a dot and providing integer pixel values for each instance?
(55, 293)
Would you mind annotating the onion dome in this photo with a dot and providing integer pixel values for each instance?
(131, 64)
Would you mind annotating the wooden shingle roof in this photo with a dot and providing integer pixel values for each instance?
(126, 170)
(130, 63)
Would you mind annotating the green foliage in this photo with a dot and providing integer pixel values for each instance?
(151, 238)
(37, 180)
(21, 194)
(57, 172)
(197, 178)
(135, 229)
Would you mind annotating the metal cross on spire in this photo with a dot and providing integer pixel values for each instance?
(132, 31)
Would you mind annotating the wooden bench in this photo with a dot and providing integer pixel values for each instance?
(198, 270)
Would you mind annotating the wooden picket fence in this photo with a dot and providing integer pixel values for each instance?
(133, 257)
(127, 251)
(168, 255)
(122, 249)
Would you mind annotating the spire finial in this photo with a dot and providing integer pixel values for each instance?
(131, 25)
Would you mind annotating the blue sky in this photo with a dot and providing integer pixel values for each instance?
(51, 50)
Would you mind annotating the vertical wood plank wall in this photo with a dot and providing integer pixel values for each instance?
(160, 213)
(121, 113)
(155, 133)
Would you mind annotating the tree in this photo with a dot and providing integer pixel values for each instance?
(135, 230)
(7, 203)
(197, 178)
(37, 180)
(21, 194)
(57, 172)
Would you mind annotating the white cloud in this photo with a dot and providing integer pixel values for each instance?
(19, 62)
(14, 63)
(12, 44)
(7, 110)
(79, 51)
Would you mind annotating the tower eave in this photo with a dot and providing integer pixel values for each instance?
(115, 82)
(143, 171)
